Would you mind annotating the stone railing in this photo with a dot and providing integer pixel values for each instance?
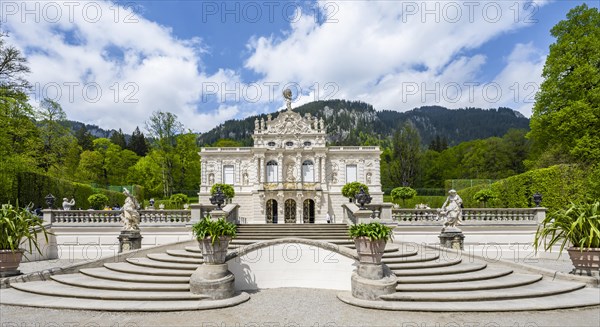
(474, 216)
(361, 148)
(113, 217)
(240, 149)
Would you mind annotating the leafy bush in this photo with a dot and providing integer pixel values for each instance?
(225, 188)
(403, 193)
(213, 229)
(179, 199)
(483, 196)
(578, 224)
(98, 201)
(374, 231)
(351, 189)
(17, 224)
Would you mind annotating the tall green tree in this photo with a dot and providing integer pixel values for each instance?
(566, 115)
(85, 139)
(164, 128)
(403, 166)
(56, 138)
(138, 143)
(118, 138)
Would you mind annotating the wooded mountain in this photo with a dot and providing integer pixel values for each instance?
(353, 122)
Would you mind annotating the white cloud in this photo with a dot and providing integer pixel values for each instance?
(379, 52)
(108, 66)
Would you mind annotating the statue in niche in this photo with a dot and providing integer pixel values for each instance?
(368, 178)
(245, 180)
(211, 179)
(130, 216)
(451, 212)
(290, 173)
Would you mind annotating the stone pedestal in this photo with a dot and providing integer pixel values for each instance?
(453, 238)
(217, 214)
(364, 216)
(130, 240)
(214, 281)
(369, 281)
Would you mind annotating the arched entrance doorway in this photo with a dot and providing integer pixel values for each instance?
(271, 211)
(290, 211)
(308, 211)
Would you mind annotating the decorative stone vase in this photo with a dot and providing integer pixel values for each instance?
(588, 259)
(369, 251)
(214, 254)
(9, 262)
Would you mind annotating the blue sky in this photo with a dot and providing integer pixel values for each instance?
(113, 63)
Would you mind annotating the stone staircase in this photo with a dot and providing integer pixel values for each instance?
(428, 280)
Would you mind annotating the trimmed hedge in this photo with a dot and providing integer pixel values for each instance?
(559, 185)
(432, 201)
(33, 188)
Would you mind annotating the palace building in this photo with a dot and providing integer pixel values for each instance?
(290, 175)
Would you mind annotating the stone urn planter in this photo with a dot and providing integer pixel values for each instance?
(369, 251)
(370, 240)
(9, 262)
(213, 237)
(575, 226)
(18, 226)
(588, 259)
(214, 253)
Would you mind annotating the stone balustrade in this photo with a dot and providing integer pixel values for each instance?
(113, 217)
(472, 216)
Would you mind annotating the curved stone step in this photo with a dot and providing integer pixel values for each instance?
(488, 273)
(424, 264)
(140, 270)
(415, 258)
(184, 254)
(539, 289)
(16, 297)
(512, 280)
(580, 298)
(174, 259)
(105, 273)
(81, 280)
(52, 288)
(400, 254)
(147, 262)
(456, 269)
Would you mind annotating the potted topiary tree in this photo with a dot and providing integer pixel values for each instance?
(17, 225)
(577, 225)
(98, 201)
(483, 196)
(403, 193)
(370, 240)
(213, 237)
(351, 189)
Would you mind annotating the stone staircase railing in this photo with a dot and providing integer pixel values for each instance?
(113, 217)
(474, 216)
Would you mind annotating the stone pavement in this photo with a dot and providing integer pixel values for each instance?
(294, 307)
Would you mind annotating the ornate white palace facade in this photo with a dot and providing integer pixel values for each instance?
(290, 175)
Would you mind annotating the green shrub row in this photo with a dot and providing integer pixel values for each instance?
(460, 184)
(34, 187)
(559, 185)
(432, 201)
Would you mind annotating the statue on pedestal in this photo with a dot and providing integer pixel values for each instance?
(451, 212)
(67, 205)
(130, 216)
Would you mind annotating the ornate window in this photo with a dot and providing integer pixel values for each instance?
(307, 143)
(228, 174)
(289, 143)
(272, 171)
(351, 173)
(308, 171)
(271, 144)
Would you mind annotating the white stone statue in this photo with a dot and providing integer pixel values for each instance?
(290, 173)
(130, 216)
(67, 205)
(451, 212)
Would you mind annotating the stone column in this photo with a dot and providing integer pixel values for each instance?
(452, 238)
(130, 240)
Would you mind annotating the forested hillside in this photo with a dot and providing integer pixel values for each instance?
(354, 122)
